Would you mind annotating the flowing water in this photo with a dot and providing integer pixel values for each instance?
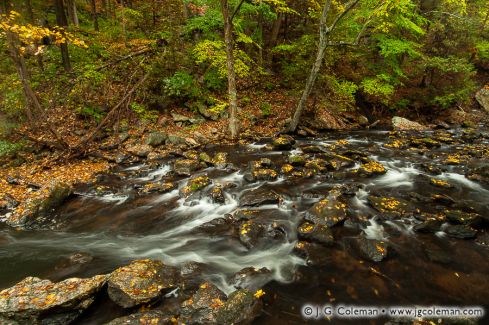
(112, 223)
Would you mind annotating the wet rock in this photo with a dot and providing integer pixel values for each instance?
(329, 211)
(154, 156)
(463, 218)
(241, 307)
(140, 150)
(371, 168)
(460, 231)
(253, 233)
(220, 160)
(317, 233)
(440, 183)
(266, 174)
(312, 253)
(283, 142)
(389, 207)
(156, 139)
(372, 249)
(479, 174)
(141, 282)
(312, 149)
(259, 164)
(185, 167)
(258, 197)
(483, 240)
(442, 199)
(37, 301)
(195, 184)
(428, 226)
(152, 317)
(317, 165)
(287, 169)
(250, 278)
(434, 170)
(297, 160)
(202, 307)
(217, 195)
(403, 124)
(425, 142)
(159, 187)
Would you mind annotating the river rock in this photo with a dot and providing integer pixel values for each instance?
(220, 159)
(250, 278)
(464, 218)
(159, 187)
(254, 233)
(371, 168)
(297, 160)
(195, 184)
(482, 97)
(152, 317)
(37, 301)
(389, 207)
(241, 307)
(141, 282)
(283, 142)
(217, 195)
(140, 150)
(403, 124)
(372, 249)
(259, 196)
(316, 232)
(428, 226)
(461, 231)
(202, 307)
(479, 174)
(329, 211)
(185, 167)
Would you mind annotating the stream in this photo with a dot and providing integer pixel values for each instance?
(110, 223)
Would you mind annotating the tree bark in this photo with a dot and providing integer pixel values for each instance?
(232, 93)
(94, 14)
(324, 32)
(30, 12)
(61, 21)
(72, 12)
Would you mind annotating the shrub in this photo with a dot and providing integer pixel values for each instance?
(181, 85)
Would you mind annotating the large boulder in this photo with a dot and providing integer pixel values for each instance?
(403, 124)
(482, 97)
(37, 301)
(141, 282)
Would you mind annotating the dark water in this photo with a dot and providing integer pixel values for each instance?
(118, 224)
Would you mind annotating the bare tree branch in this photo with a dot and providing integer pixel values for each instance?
(349, 7)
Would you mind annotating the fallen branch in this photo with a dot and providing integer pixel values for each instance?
(129, 56)
(90, 136)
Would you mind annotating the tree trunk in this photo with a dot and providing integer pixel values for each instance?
(94, 15)
(323, 41)
(30, 12)
(233, 102)
(61, 21)
(72, 12)
(32, 102)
